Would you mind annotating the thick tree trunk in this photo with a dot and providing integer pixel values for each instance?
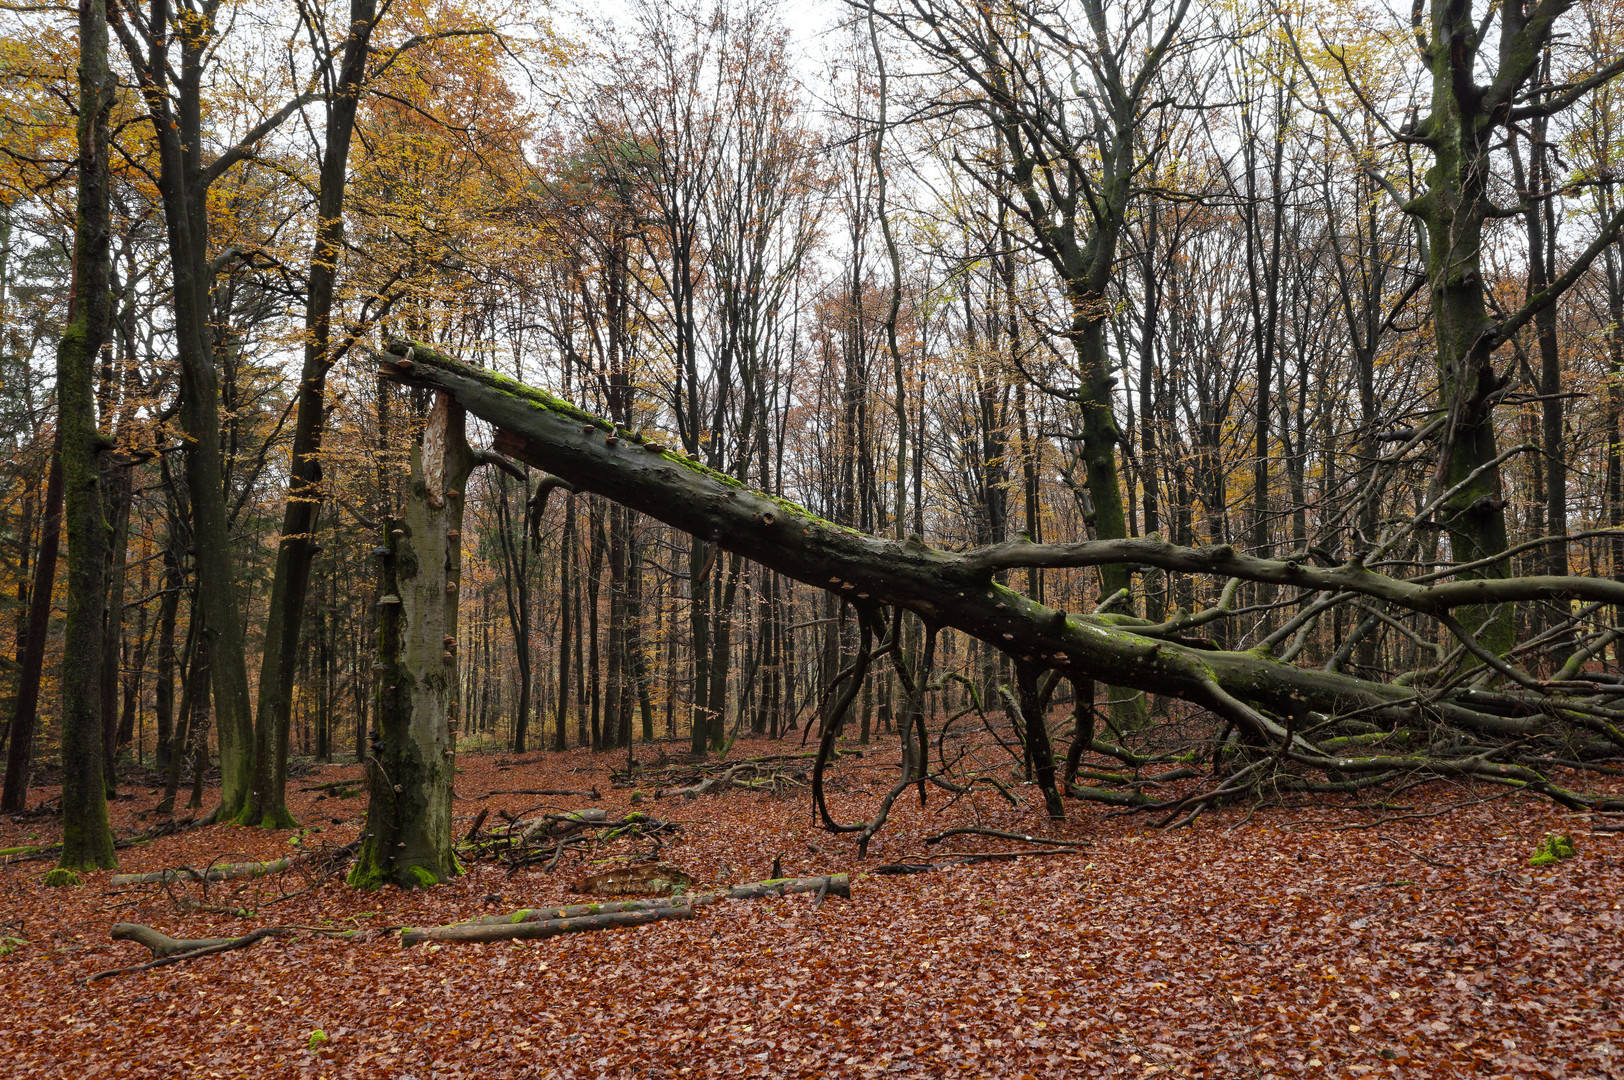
(408, 830)
(87, 838)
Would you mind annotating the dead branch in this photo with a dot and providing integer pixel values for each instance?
(546, 928)
(168, 950)
(530, 923)
(999, 834)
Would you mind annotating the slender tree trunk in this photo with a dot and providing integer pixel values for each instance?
(116, 494)
(566, 603)
(267, 805)
(20, 752)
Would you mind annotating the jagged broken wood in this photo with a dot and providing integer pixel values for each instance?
(1489, 725)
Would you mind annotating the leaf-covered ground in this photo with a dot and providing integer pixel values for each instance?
(1291, 942)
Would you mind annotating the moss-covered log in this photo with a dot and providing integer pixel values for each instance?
(224, 872)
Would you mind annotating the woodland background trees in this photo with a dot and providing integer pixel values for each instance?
(1281, 278)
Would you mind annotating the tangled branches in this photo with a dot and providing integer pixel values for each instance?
(545, 840)
(777, 774)
(1326, 672)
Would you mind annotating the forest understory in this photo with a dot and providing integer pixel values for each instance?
(1406, 938)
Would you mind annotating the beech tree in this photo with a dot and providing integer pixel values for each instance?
(1484, 66)
(1354, 732)
(295, 554)
(87, 840)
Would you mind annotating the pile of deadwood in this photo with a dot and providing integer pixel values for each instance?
(775, 774)
(519, 841)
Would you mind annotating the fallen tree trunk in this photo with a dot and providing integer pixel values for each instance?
(546, 928)
(1294, 718)
(579, 916)
(224, 872)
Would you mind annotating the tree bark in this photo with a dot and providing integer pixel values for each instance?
(87, 837)
(267, 803)
(407, 840)
(20, 752)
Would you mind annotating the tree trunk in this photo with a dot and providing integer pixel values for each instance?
(116, 495)
(20, 752)
(87, 838)
(408, 830)
(267, 804)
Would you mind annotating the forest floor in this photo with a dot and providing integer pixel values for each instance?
(1340, 942)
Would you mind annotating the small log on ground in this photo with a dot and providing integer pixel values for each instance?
(830, 885)
(580, 916)
(1000, 834)
(340, 788)
(556, 825)
(906, 867)
(561, 792)
(546, 928)
(223, 872)
(568, 911)
(161, 944)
